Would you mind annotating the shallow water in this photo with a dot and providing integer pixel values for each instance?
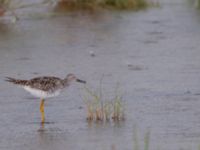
(153, 54)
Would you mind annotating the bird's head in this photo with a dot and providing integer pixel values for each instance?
(71, 77)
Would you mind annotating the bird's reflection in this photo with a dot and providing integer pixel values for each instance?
(42, 127)
(50, 137)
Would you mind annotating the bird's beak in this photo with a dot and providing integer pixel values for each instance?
(81, 81)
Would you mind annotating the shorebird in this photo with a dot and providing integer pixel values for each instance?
(45, 87)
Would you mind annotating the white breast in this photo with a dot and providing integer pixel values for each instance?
(41, 94)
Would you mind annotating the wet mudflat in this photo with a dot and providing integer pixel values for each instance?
(153, 54)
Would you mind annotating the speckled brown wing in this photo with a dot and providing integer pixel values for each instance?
(49, 84)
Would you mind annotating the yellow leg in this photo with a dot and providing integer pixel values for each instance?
(42, 110)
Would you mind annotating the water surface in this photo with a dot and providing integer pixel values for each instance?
(153, 54)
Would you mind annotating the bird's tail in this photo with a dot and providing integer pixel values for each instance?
(16, 81)
(9, 79)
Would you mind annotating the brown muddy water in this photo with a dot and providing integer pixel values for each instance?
(154, 55)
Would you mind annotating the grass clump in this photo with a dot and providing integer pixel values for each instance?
(125, 4)
(111, 4)
(69, 5)
(197, 3)
(7, 6)
(11, 6)
(4, 6)
(146, 140)
(118, 112)
(103, 109)
(5, 3)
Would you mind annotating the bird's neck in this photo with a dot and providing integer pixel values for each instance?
(66, 82)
